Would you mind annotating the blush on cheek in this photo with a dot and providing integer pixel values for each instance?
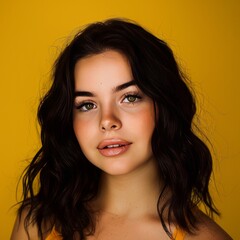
(147, 119)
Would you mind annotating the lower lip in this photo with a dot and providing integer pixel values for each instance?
(111, 152)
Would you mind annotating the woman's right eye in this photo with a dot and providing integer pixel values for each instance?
(86, 106)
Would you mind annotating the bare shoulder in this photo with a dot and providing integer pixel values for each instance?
(208, 230)
(19, 231)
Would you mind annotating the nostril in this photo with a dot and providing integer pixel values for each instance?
(110, 125)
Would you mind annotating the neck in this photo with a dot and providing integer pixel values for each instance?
(132, 194)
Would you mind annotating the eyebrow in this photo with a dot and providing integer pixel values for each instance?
(116, 89)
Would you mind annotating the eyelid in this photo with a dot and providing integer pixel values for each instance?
(79, 105)
(136, 94)
(81, 100)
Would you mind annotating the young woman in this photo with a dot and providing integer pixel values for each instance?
(119, 158)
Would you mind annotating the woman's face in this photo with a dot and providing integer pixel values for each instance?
(112, 119)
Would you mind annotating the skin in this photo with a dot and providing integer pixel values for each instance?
(130, 185)
(114, 116)
(120, 213)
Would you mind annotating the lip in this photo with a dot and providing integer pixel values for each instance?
(114, 150)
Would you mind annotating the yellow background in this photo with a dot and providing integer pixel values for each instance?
(205, 36)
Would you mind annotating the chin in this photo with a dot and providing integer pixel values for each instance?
(121, 168)
(117, 171)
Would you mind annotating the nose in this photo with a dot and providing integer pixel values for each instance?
(110, 121)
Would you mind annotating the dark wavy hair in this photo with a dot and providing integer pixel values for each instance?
(67, 181)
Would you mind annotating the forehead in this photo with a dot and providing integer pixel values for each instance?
(107, 68)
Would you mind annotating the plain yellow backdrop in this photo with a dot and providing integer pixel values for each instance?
(205, 36)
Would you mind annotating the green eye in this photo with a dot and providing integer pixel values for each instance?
(131, 98)
(84, 107)
(89, 106)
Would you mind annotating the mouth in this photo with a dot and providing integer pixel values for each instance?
(113, 147)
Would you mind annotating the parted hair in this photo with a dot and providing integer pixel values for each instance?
(68, 181)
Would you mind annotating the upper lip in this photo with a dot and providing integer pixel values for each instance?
(114, 141)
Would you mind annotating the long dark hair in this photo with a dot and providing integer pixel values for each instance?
(68, 181)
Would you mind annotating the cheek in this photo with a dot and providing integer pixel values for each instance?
(146, 122)
(82, 130)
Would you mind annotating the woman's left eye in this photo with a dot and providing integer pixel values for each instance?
(131, 98)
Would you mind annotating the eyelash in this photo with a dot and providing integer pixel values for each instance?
(83, 104)
(134, 95)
